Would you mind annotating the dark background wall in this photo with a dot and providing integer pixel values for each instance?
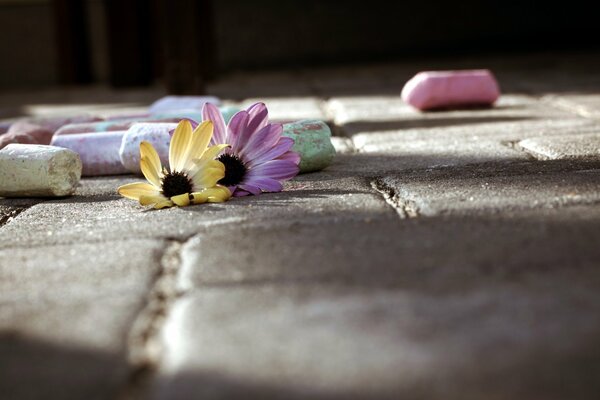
(127, 41)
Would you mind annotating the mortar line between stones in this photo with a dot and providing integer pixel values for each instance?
(145, 348)
(404, 208)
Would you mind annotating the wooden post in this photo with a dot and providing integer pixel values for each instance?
(188, 45)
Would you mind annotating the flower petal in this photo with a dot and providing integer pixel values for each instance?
(148, 151)
(284, 145)
(163, 204)
(255, 190)
(208, 177)
(218, 194)
(265, 184)
(265, 138)
(208, 156)
(210, 112)
(135, 190)
(291, 156)
(276, 169)
(236, 128)
(259, 117)
(215, 194)
(179, 144)
(147, 200)
(150, 172)
(200, 139)
(181, 200)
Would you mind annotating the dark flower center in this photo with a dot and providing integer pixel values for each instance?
(174, 183)
(235, 170)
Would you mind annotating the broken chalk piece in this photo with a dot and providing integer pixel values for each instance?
(451, 89)
(157, 134)
(26, 133)
(171, 103)
(99, 151)
(31, 170)
(312, 140)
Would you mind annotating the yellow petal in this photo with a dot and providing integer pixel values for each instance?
(218, 194)
(179, 144)
(208, 158)
(147, 151)
(199, 197)
(163, 204)
(181, 200)
(200, 139)
(150, 172)
(147, 200)
(136, 190)
(208, 177)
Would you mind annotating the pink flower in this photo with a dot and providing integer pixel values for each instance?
(259, 158)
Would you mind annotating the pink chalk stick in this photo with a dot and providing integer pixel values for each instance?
(99, 151)
(25, 133)
(451, 89)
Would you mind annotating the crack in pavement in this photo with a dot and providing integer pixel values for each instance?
(144, 341)
(403, 207)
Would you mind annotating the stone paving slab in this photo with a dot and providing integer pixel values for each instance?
(586, 105)
(492, 189)
(291, 108)
(388, 309)
(103, 215)
(351, 111)
(65, 314)
(575, 146)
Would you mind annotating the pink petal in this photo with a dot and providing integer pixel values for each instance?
(267, 154)
(236, 128)
(261, 140)
(266, 184)
(240, 193)
(211, 113)
(275, 169)
(291, 156)
(255, 190)
(259, 116)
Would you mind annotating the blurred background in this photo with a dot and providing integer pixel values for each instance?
(182, 45)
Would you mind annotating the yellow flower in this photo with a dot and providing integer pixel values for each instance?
(193, 173)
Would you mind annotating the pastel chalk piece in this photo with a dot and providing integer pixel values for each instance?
(312, 140)
(26, 133)
(99, 151)
(108, 125)
(451, 89)
(30, 170)
(170, 103)
(227, 111)
(156, 134)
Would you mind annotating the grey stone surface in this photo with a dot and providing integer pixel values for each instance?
(291, 108)
(65, 314)
(493, 189)
(587, 105)
(102, 215)
(564, 147)
(442, 307)
(435, 258)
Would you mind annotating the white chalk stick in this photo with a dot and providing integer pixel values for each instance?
(157, 134)
(32, 170)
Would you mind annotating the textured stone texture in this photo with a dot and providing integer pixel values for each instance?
(494, 189)
(576, 146)
(66, 313)
(326, 316)
(435, 258)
